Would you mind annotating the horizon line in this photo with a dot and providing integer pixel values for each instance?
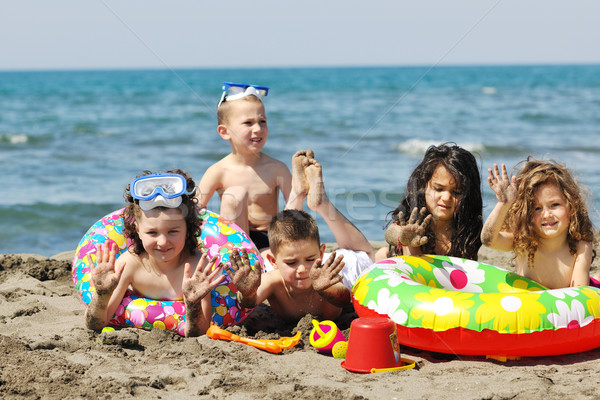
(250, 67)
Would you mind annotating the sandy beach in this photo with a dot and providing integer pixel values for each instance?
(47, 353)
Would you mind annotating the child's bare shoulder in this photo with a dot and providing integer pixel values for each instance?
(218, 167)
(585, 247)
(132, 264)
(268, 160)
(271, 279)
(273, 170)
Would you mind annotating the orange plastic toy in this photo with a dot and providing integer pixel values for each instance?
(270, 345)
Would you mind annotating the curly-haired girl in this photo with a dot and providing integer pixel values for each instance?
(542, 217)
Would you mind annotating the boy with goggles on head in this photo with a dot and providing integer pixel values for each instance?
(162, 263)
(304, 279)
(247, 180)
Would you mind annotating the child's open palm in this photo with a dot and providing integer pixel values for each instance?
(323, 276)
(206, 277)
(505, 188)
(105, 274)
(245, 278)
(409, 233)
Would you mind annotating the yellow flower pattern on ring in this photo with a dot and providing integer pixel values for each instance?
(518, 286)
(503, 309)
(442, 309)
(593, 304)
(361, 288)
(423, 281)
(420, 262)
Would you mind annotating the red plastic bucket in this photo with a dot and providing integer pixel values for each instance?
(372, 344)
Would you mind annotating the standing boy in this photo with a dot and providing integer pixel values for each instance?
(247, 180)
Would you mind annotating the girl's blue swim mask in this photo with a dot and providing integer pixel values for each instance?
(234, 91)
(159, 190)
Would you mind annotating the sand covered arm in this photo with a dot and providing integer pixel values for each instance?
(110, 286)
(326, 280)
(409, 234)
(506, 193)
(246, 279)
(196, 289)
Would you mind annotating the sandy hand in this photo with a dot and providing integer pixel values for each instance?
(326, 275)
(105, 274)
(206, 277)
(245, 278)
(411, 232)
(505, 188)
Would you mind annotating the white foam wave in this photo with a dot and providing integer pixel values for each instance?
(420, 146)
(14, 138)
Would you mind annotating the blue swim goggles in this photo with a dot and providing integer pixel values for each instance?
(159, 190)
(234, 91)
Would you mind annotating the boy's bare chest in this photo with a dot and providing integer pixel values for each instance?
(298, 305)
(255, 182)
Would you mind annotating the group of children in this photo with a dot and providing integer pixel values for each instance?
(540, 215)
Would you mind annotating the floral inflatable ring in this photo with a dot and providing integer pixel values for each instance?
(219, 237)
(459, 306)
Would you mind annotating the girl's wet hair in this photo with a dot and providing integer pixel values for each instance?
(468, 214)
(533, 174)
(132, 213)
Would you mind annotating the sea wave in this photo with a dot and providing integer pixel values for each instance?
(14, 138)
(415, 147)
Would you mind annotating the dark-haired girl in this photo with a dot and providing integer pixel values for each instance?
(441, 211)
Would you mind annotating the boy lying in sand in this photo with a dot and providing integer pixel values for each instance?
(301, 282)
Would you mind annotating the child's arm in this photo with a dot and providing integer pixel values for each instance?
(409, 234)
(326, 280)
(583, 261)
(252, 290)
(211, 181)
(195, 288)
(284, 181)
(506, 193)
(110, 287)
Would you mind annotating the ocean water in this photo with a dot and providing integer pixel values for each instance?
(70, 141)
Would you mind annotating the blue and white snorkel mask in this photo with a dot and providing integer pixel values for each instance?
(234, 91)
(159, 190)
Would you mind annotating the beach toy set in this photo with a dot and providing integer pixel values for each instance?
(371, 347)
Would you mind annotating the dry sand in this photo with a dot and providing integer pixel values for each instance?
(48, 353)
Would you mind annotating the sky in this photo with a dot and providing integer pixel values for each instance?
(101, 34)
